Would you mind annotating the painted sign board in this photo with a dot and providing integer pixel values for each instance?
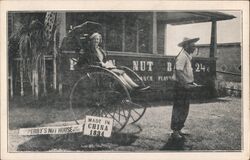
(154, 70)
(51, 130)
(98, 126)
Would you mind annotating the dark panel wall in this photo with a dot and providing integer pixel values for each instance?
(155, 71)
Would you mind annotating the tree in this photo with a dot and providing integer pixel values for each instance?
(31, 42)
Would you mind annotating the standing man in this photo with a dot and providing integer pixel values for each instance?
(184, 78)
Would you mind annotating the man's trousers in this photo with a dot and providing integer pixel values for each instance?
(180, 107)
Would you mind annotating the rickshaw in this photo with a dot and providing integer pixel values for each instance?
(99, 91)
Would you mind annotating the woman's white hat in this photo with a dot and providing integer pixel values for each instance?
(94, 35)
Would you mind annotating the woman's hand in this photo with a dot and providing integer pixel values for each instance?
(101, 64)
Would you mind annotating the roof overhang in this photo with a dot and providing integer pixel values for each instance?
(167, 17)
(178, 18)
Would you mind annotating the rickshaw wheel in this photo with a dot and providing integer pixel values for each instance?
(103, 95)
(138, 104)
(138, 108)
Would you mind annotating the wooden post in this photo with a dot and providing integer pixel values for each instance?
(61, 29)
(213, 52)
(213, 43)
(123, 33)
(104, 36)
(11, 80)
(137, 36)
(44, 76)
(154, 33)
(35, 79)
(54, 62)
(21, 77)
(165, 39)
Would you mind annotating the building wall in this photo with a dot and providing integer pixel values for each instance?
(131, 30)
(228, 68)
(228, 60)
(154, 70)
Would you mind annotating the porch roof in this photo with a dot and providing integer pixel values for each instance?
(177, 18)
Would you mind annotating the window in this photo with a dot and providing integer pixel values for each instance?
(144, 36)
(114, 33)
(130, 35)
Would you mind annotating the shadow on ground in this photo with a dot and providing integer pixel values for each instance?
(76, 142)
(192, 101)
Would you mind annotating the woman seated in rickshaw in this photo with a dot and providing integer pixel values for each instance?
(95, 55)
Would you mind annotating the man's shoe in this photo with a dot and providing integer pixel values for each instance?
(183, 133)
(176, 135)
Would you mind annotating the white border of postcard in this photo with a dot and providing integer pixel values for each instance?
(97, 5)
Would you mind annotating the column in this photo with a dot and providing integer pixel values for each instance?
(123, 33)
(154, 33)
(104, 37)
(213, 42)
(213, 51)
(11, 80)
(137, 36)
(61, 30)
(21, 77)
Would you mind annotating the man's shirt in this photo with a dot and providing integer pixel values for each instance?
(183, 63)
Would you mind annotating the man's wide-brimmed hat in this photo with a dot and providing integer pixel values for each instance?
(187, 41)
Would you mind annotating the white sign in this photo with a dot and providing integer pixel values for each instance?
(98, 126)
(51, 130)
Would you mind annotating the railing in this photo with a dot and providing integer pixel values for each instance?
(20, 73)
(229, 88)
(231, 73)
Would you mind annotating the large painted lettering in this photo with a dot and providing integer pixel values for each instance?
(143, 65)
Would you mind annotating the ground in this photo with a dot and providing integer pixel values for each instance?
(212, 125)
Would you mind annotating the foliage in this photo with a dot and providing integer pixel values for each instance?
(28, 41)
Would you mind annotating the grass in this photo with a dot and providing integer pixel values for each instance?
(220, 123)
(215, 125)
